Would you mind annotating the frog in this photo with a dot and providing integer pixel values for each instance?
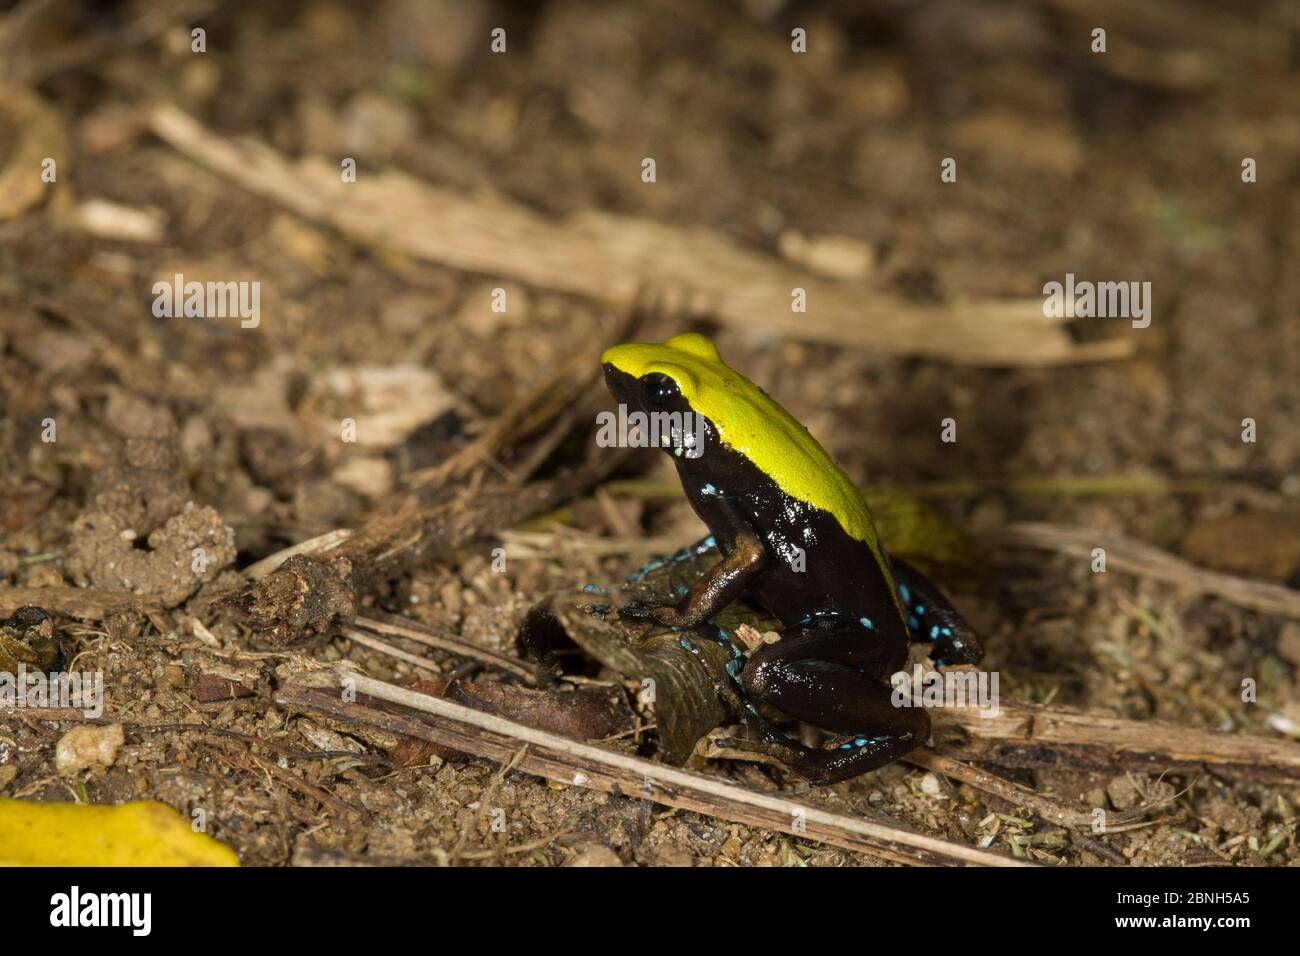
(795, 538)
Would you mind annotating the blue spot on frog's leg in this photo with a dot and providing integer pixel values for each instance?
(916, 623)
(916, 617)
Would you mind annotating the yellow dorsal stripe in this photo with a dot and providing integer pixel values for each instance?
(753, 424)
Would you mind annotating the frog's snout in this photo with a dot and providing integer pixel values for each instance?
(622, 386)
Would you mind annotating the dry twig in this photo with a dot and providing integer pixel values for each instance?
(308, 593)
(391, 624)
(1051, 810)
(1128, 554)
(1057, 737)
(561, 759)
(611, 259)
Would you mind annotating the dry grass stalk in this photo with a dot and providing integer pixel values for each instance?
(613, 259)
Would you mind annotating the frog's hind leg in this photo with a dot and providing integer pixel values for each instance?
(932, 619)
(728, 681)
(835, 680)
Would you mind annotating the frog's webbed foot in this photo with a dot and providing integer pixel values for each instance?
(931, 618)
(856, 756)
(724, 745)
(846, 757)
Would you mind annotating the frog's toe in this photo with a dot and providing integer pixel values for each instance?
(769, 749)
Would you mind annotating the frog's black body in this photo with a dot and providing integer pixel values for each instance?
(847, 628)
(841, 575)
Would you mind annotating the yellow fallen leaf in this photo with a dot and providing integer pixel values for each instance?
(144, 833)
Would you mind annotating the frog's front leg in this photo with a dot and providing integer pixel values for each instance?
(837, 681)
(718, 586)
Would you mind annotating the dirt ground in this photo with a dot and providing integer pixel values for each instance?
(173, 435)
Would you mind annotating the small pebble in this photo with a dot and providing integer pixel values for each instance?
(87, 746)
(595, 855)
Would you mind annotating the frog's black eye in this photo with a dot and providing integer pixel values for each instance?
(660, 390)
